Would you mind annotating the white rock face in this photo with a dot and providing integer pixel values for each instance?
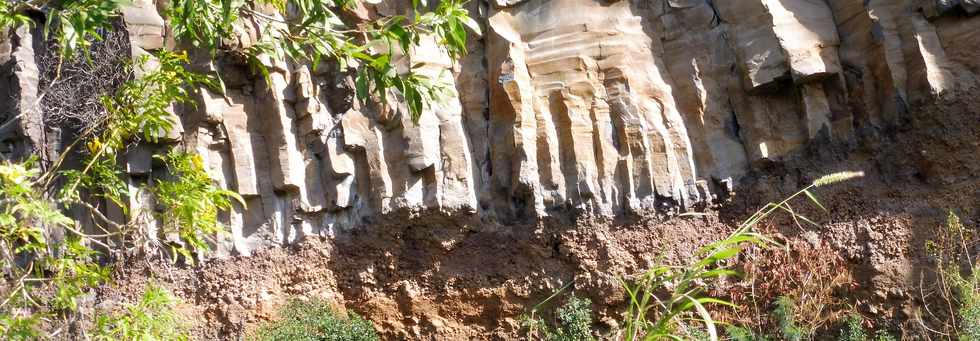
(563, 107)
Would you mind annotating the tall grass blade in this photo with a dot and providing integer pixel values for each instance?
(813, 198)
(709, 323)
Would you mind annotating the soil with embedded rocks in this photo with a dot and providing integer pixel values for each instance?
(459, 279)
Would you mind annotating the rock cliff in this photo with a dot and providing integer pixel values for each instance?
(562, 108)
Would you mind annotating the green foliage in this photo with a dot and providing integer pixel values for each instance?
(448, 23)
(20, 326)
(73, 271)
(573, 322)
(785, 319)
(737, 333)
(74, 23)
(966, 285)
(959, 275)
(11, 16)
(317, 32)
(64, 269)
(854, 330)
(79, 22)
(192, 201)
(315, 320)
(970, 317)
(21, 211)
(203, 23)
(140, 109)
(658, 316)
(154, 317)
(882, 335)
(314, 33)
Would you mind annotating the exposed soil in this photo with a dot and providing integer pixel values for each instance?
(444, 278)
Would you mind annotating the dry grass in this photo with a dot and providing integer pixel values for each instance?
(816, 278)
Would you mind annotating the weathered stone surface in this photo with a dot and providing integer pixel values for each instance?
(243, 129)
(146, 27)
(139, 160)
(22, 131)
(760, 57)
(563, 107)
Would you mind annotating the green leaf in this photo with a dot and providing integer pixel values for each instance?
(719, 255)
(709, 323)
(361, 84)
(717, 273)
(473, 25)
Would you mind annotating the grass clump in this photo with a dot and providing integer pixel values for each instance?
(154, 317)
(316, 320)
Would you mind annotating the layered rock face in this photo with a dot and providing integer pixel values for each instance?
(563, 107)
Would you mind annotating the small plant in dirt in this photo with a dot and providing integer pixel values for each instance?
(154, 317)
(573, 322)
(316, 320)
(738, 333)
(854, 330)
(654, 315)
(958, 275)
(789, 328)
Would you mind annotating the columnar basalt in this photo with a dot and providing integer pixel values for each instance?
(562, 107)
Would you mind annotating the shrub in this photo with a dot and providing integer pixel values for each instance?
(154, 317)
(316, 320)
(192, 202)
(573, 321)
(853, 331)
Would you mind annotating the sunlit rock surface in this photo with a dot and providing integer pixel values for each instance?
(562, 108)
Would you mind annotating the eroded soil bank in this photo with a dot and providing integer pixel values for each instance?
(456, 278)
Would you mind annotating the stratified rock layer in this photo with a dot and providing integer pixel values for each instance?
(563, 107)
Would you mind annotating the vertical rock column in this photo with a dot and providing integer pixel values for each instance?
(21, 120)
